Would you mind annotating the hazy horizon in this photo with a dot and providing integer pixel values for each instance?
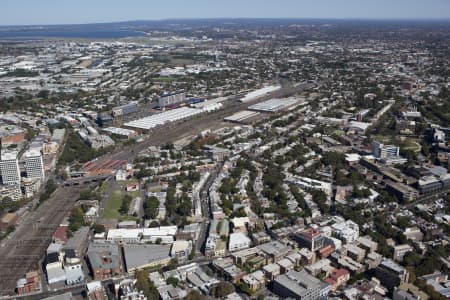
(238, 18)
(66, 12)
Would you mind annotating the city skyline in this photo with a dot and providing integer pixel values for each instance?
(50, 12)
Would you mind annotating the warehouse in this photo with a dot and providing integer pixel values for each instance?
(148, 123)
(142, 235)
(260, 93)
(241, 116)
(124, 110)
(121, 132)
(145, 256)
(274, 105)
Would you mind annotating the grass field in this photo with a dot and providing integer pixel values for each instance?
(405, 144)
(112, 206)
(411, 145)
(180, 61)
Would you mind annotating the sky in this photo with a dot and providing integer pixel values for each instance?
(45, 12)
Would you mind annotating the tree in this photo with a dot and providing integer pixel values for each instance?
(125, 206)
(194, 295)
(412, 258)
(320, 198)
(172, 280)
(240, 213)
(76, 150)
(99, 228)
(144, 284)
(185, 206)
(76, 219)
(334, 159)
(30, 134)
(403, 222)
(171, 201)
(153, 224)
(151, 207)
(50, 187)
(222, 289)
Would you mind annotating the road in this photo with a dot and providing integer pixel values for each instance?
(204, 198)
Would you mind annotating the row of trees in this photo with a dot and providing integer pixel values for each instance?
(151, 207)
(49, 188)
(76, 219)
(76, 150)
(125, 206)
(178, 207)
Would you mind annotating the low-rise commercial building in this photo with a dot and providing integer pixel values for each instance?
(300, 285)
(145, 256)
(401, 250)
(238, 241)
(104, 260)
(391, 274)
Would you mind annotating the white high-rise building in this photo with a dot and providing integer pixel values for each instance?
(385, 151)
(34, 165)
(9, 168)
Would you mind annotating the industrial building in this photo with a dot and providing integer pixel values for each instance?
(121, 132)
(104, 119)
(401, 191)
(260, 93)
(124, 110)
(142, 235)
(167, 100)
(429, 185)
(274, 105)
(145, 256)
(242, 117)
(148, 123)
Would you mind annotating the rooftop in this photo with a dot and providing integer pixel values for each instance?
(140, 255)
(10, 155)
(300, 283)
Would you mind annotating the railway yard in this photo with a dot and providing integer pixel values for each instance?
(24, 250)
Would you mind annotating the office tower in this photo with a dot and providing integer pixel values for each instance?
(34, 165)
(385, 151)
(9, 168)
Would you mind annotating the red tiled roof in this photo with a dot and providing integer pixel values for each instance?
(61, 233)
(336, 273)
(310, 233)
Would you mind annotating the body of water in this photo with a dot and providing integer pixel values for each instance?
(78, 33)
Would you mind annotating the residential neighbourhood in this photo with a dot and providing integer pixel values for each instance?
(280, 159)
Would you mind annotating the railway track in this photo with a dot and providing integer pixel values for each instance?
(22, 253)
